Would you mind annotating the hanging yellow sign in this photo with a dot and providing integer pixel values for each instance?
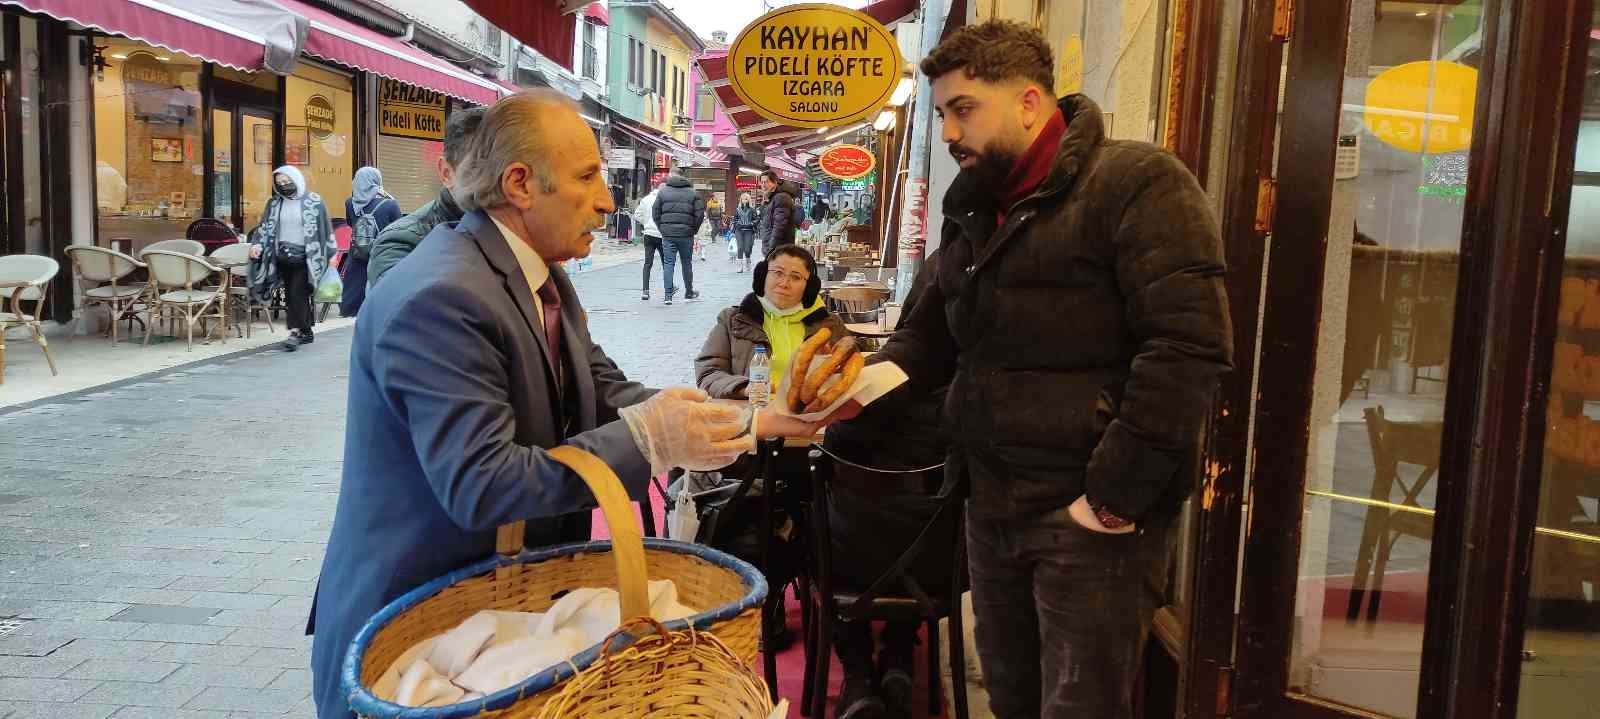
(1423, 106)
(409, 111)
(814, 65)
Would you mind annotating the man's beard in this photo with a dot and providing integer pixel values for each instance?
(994, 165)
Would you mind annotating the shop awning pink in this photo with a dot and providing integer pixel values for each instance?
(597, 12)
(339, 40)
(185, 27)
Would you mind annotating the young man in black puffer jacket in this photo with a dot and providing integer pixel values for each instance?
(1079, 315)
(781, 215)
(678, 212)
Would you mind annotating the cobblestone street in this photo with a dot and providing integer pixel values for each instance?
(160, 538)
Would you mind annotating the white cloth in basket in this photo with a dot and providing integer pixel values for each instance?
(493, 650)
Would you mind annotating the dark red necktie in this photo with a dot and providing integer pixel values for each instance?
(551, 300)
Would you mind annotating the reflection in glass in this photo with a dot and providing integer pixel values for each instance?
(1410, 82)
(1561, 645)
(222, 163)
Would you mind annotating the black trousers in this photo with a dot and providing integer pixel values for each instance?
(297, 287)
(1062, 613)
(747, 241)
(653, 246)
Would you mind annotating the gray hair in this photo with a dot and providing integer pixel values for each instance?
(511, 131)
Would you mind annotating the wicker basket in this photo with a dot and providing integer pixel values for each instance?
(730, 592)
(667, 675)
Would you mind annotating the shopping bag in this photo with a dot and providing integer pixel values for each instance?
(733, 246)
(331, 288)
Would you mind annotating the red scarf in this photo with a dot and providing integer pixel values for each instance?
(1034, 165)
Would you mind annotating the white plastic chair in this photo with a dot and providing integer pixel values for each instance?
(25, 278)
(105, 270)
(178, 282)
(237, 259)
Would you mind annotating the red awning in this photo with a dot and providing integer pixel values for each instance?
(889, 11)
(163, 25)
(334, 38)
(597, 12)
(539, 24)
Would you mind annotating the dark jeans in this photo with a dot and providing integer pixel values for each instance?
(355, 286)
(747, 241)
(674, 252)
(297, 289)
(652, 247)
(1062, 613)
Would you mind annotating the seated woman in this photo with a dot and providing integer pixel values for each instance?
(873, 518)
(784, 308)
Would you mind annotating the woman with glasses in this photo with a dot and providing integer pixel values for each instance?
(783, 310)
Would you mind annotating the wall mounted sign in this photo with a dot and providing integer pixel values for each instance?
(405, 110)
(1423, 106)
(846, 162)
(319, 116)
(814, 65)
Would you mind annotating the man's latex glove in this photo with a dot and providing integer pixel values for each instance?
(677, 427)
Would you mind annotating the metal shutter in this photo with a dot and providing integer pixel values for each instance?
(408, 170)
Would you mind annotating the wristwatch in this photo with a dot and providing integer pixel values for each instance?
(1106, 517)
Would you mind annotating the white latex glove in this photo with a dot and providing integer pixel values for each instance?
(678, 428)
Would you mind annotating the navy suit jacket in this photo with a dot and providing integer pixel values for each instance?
(452, 403)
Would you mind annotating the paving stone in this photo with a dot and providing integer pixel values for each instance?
(204, 653)
(166, 614)
(122, 671)
(38, 710)
(286, 587)
(232, 600)
(52, 609)
(142, 694)
(295, 679)
(235, 699)
(279, 658)
(44, 690)
(165, 713)
(184, 633)
(220, 675)
(47, 667)
(280, 638)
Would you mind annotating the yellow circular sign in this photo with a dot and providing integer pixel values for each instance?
(814, 65)
(1423, 106)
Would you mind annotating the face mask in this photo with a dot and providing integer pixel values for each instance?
(284, 189)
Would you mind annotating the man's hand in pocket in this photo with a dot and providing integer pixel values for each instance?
(1084, 516)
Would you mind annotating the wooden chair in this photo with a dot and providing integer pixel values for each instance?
(1393, 444)
(178, 282)
(107, 274)
(895, 594)
(25, 279)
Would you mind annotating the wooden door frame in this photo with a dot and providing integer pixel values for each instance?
(1511, 254)
(1512, 250)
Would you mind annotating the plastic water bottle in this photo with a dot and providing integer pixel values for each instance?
(760, 387)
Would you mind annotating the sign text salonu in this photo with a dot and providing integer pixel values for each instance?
(814, 65)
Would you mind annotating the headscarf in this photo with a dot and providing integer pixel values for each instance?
(367, 184)
(293, 173)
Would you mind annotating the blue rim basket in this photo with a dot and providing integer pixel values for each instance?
(730, 591)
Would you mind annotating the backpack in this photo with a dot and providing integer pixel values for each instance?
(365, 232)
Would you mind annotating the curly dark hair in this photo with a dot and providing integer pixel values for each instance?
(995, 51)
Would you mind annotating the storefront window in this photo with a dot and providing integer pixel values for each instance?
(1562, 639)
(319, 135)
(1378, 397)
(148, 146)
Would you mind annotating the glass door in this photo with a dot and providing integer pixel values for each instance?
(1561, 640)
(246, 147)
(1358, 307)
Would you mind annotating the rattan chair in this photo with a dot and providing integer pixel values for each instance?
(178, 282)
(236, 259)
(187, 247)
(857, 301)
(25, 279)
(105, 274)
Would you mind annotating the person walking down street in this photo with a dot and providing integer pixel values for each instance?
(1079, 316)
(745, 219)
(819, 210)
(291, 249)
(780, 216)
(678, 212)
(644, 214)
(369, 211)
(397, 241)
(716, 216)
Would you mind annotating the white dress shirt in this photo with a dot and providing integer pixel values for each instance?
(533, 266)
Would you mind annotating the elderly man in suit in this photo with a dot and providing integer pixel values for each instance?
(472, 359)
